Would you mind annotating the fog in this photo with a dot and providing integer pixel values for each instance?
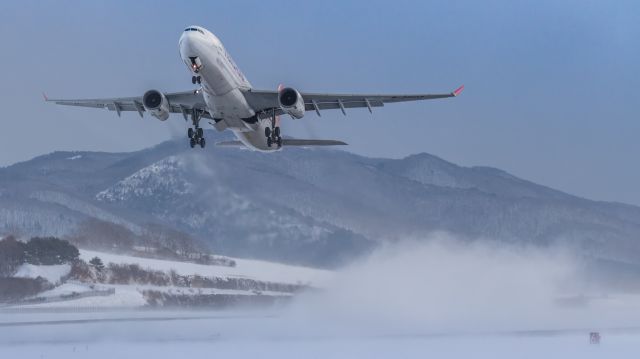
(443, 285)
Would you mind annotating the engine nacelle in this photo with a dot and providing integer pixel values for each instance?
(156, 104)
(291, 102)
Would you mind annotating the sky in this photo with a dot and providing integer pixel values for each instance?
(552, 87)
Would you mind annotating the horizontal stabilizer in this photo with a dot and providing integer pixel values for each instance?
(297, 142)
(290, 142)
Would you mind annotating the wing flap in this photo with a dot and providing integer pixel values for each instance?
(335, 105)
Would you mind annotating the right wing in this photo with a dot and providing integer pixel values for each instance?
(179, 102)
(267, 100)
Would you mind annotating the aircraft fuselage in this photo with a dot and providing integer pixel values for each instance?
(222, 86)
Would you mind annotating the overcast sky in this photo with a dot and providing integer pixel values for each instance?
(552, 87)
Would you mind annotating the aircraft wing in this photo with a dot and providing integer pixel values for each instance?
(179, 102)
(266, 100)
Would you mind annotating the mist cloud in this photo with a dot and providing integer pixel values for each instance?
(447, 286)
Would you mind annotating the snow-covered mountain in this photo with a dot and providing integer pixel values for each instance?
(306, 206)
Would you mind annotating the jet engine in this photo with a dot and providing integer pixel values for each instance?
(156, 104)
(291, 102)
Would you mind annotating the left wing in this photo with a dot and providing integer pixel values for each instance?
(264, 100)
(179, 102)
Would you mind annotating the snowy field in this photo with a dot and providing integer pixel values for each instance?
(131, 295)
(245, 268)
(272, 335)
(442, 299)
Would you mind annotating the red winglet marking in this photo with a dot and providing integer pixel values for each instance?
(458, 91)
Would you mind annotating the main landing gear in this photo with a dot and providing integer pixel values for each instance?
(196, 134)
(272, 133)
(196, 80)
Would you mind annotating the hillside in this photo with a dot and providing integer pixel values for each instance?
(129, 281)
(314, 207)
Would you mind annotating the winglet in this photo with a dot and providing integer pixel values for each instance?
(458, 91)
(45, 96)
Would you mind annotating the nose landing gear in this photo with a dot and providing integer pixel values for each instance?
(196, 80)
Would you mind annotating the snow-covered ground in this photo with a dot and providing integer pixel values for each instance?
(131, 296)
(124, 296)
(410, 301)
(77, 295)
(272, 335)
(245, 268)
(67, 288)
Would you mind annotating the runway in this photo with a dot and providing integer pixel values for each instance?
(134, 334)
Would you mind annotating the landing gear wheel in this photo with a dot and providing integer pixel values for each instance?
(190, 132)
(200, 132)
(202, 143)
(199, 79)
(192, 142)
(194, 79)
(272, 132)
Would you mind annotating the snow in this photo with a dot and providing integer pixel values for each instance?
(203, 291)
(148, 334)
(245, 268)
(52, 273)
(412, 301)
(67, 288)
(76, 157)
(124, 297)
(130, 296)
(162, 176)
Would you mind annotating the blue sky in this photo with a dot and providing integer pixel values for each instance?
(552, 87)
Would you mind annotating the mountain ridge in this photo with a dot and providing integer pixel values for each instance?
(319, 207)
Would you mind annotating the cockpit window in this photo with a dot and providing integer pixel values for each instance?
(194, 29)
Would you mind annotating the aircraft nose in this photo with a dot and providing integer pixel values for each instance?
(187, 44)
(189, 52)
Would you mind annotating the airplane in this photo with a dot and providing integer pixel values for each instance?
(226, 98)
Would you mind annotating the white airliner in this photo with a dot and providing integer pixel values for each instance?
(227, 100)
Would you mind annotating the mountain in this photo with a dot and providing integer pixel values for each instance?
(316, 207)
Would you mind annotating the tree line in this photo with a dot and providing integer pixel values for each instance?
(37, 251)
